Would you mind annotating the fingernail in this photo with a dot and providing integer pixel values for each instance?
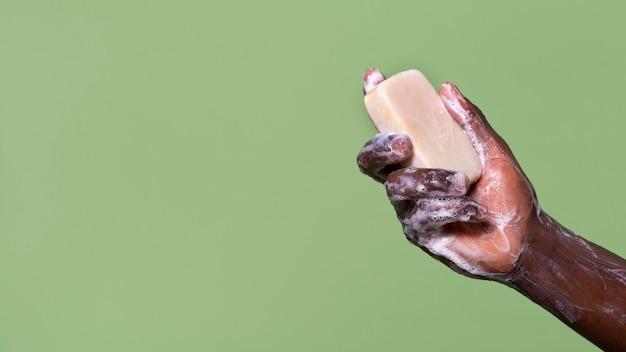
(460, 181)
(371, 78)
(450, 92)
(455, 90)
(400, 144)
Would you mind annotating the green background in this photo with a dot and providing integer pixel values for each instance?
(180, 175)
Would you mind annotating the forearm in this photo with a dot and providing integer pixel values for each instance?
(579, 282)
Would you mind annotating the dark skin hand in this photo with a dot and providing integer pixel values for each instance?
(495, 229)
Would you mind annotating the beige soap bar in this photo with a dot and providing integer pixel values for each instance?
(406, 102)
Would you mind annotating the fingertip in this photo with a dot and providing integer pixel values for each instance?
(371, 78)
(383, 153)
(400, 144)
(471, 120)
(460, 182)
(455, 103)
(448, 89)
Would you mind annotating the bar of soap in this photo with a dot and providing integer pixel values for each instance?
(406, 102)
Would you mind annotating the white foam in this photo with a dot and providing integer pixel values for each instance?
(439, 244)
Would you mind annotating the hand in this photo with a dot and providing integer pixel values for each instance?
(477, 230)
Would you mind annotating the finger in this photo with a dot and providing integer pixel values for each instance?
(371, 78)
(429, 214)
(485, 140)
(381, 155)
(414, 183)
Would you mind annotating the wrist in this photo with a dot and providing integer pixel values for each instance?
(579, 282)
(538, 249)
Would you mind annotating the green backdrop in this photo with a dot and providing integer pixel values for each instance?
(180, 175)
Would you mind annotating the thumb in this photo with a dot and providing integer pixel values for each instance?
(485, 140)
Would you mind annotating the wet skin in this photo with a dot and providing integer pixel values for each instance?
(495, 229)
